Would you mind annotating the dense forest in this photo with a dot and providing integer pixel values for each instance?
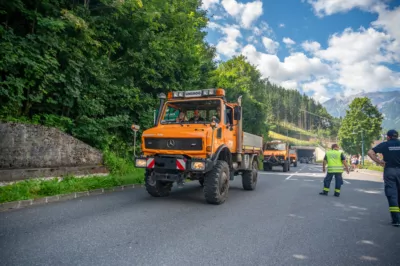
(94, 67)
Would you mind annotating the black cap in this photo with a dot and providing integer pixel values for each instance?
(392, 133)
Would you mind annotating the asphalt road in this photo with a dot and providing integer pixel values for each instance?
(283, 222)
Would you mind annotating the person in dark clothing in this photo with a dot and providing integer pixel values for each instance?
(390, 150)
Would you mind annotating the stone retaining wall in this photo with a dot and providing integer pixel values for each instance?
(31, 150)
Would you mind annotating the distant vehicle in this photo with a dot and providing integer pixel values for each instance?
(276, 153)
(304, 160)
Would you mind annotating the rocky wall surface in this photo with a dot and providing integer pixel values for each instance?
(37, 146)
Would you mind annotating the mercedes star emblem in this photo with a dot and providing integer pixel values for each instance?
(170, 143)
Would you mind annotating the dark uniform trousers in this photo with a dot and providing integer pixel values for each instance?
(338, 181)
(391, 177)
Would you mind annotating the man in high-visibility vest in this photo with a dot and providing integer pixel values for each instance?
(335, 160)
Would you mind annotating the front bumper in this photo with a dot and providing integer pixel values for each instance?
(274, 160)
(170, 163)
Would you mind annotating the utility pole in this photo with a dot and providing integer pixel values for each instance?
(362, 147)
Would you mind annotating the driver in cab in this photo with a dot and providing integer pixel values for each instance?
(196, 118)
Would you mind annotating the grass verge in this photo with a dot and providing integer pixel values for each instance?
(372, 166)
(34, 188)
(122, 172)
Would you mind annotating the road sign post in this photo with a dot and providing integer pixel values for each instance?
(135, 129)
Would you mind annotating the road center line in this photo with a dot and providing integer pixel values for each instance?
(287, 178)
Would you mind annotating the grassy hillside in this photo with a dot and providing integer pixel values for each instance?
(293, 141)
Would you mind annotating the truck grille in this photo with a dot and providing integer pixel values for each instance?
(189, 144)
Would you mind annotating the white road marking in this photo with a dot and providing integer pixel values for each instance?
(347, 182)
(287, 178)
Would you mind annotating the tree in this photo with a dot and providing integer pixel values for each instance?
(363, 117)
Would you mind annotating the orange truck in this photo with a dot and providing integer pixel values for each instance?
(198, 135)
(276, 153)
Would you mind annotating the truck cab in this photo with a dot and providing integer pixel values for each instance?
(276, 153)
(198, 135)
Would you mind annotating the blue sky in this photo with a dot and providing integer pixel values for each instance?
(324, 48)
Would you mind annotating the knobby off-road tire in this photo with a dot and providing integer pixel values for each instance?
(157, 188)
(285, 167)
(267, 167)
(216, 183)
(249, 178)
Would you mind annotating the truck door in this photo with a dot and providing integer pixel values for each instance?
(229, 135)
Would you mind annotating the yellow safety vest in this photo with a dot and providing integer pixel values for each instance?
(335, 164)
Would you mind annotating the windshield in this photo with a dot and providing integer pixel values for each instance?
(276, 146)
(191, 112)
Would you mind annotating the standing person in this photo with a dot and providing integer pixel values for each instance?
(335, 160)
(391, 175)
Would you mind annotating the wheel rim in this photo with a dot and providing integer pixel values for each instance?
(151, 180)
(255, 174)
(223, 184)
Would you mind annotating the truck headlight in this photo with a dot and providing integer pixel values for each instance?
(142, 163)
(198, 166)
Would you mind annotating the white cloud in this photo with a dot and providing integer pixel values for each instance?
(209, 3)
(355, 46)
(288, 41)
(366, 77)
(213, 25)
(281, 25)
(318, 89)
(296, 67)
(270, 45)
(290, 84)
(389, 20)
(329, 7)
(311, 46)
(217, 17)
(228, 45)
(246, 13)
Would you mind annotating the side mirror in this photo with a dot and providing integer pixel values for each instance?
(237, 113)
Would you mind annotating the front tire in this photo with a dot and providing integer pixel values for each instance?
(216, 183)
(249, 178)
(267, 167)
(156, 188)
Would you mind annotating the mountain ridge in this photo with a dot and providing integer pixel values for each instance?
(388, 103)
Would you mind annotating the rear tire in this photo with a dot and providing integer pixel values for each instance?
(216, 183)
(285, 167)
(249, 178)
(156, 188)
(295, 164)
